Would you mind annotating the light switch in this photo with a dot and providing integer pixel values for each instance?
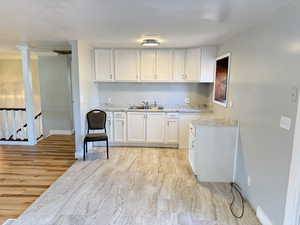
(294, 95)
(285, 122)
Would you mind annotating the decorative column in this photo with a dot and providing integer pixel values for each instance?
(28, 90)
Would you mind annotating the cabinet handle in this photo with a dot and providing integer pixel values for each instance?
(110, 75)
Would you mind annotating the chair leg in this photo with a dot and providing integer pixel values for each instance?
(107, 154)
(84, 143)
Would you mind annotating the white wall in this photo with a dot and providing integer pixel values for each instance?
(265, 67)
(84, 90)
(166, 94)
(56, 101)
(11, 83)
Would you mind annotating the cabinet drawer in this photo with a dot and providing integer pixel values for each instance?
(172, 115)
(120, 115)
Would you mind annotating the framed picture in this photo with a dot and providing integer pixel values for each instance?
(220, 95)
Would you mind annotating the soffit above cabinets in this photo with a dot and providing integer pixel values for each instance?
(191, 65)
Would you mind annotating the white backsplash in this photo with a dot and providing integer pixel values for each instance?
(165, 94)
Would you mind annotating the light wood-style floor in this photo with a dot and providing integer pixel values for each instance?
(27, 171)
(137, 186)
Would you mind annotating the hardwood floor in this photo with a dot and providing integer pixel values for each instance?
(136, 186)
(27, 171)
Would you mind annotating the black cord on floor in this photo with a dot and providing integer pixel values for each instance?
(236, 187)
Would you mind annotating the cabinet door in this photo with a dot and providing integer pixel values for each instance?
(179, 64)
(136, 127)
(104, 64)
(172, 131)
(148, 58)
(184, 123)
(192, 62)
(164, 64)
(208, 64)
(126, 64)
(155, 127)
(109, 129)
(119, 130)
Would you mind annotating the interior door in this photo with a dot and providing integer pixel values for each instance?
(164, 64)
(126, 64)
(136, 127)
(155, 127)
(148, 58)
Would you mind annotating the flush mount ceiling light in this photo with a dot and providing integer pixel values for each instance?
(150, 43)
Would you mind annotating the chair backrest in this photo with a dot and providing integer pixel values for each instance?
(96, 119)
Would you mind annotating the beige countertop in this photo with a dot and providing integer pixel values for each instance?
(167, 110)
(215, 122)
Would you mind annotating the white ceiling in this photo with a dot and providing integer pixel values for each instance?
(121, 23)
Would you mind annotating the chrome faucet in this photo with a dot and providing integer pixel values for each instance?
(146, 104)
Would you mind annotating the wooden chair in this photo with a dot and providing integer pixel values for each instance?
(96, 120)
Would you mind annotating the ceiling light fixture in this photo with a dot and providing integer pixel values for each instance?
(150, 43)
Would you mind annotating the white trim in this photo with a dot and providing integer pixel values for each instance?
(262, 217)
(61, 132)
(292, 209)
(15, 143)
(9, 222)
(228, 80)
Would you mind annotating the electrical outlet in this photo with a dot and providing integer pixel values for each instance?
(249, 181)
(187, 100)
(108, 100)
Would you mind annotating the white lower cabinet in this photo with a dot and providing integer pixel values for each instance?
(144, 128)
(155, 127)
(119, 127)
(184, 123)
(171, 130)
(109, 127)
(136, 127)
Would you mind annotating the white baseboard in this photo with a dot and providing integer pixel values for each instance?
(61, 132)
(9, 222)
(78, 155)
(15, 143)
(262, 217)
(142, 145)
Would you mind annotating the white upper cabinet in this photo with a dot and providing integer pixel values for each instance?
(164, 64)
(126, 64)
(104, 64)
(193, 64)
(160, 65)
(179, 64)
(155, 127)
(148, 64)
(208, 64)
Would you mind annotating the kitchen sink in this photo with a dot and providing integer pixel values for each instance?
(146, 107)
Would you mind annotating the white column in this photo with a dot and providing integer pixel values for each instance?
(28, 90)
